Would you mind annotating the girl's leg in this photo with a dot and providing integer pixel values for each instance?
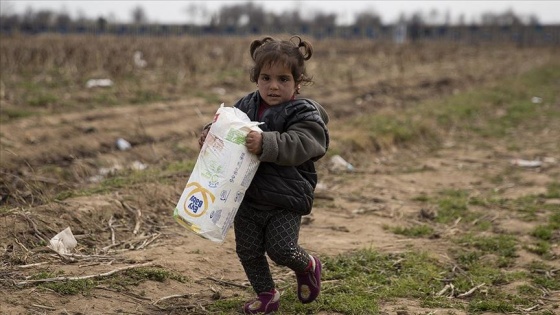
(282, 247)
(250, 237)
(282, 234)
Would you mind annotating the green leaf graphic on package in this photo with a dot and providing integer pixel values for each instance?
(236, 136)
(213, 172)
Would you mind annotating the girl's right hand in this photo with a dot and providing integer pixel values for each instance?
(254, 142)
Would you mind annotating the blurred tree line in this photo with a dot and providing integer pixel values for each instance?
(245, 18)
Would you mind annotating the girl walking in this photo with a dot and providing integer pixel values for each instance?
(294, 136)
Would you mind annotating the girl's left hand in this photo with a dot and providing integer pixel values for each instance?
(253, 142)
(202, 137)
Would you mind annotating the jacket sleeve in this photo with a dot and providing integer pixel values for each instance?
(301, 142)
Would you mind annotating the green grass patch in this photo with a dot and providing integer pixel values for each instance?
(129, 178)
(491, 113)
(500, 245)
(553, 191)
(455, 206)
(208, 97)
(15, 113)
(389, 129)
(495, 111)
(42, 99)
(414, 231)
(541, 248)
(106, 97)
(144, 96)
(356, 283)
(182, 167)
(544, 276)
(133, 277)
(359, 282)
(71, 287)
(545, 235)
(490, 305)
(452, 205)
(543, 232)
(124, 179)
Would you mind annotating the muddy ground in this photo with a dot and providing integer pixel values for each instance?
(130, 224)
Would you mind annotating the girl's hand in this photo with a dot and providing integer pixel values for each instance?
(253, 142)
(202, 137)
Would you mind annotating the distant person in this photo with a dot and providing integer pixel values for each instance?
(294, 136)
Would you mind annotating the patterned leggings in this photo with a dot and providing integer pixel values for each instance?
(272, 232)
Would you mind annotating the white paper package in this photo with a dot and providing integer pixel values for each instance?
(222, 173)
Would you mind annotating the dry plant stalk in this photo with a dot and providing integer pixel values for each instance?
(105, 274)
(137, 213)
(227, 282)
(471, 291)
(171, 297)
(447, 287)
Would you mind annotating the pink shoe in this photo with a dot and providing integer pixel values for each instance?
(309, 282)
(264, 303)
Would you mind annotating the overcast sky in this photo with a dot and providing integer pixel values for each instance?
(162, 11)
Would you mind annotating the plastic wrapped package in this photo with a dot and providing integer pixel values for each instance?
(222, 173)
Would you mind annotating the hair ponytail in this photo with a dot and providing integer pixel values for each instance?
(258, 43)
(303, 46)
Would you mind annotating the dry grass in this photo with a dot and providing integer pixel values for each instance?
(49, 72)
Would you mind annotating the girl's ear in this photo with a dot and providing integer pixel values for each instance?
(299, 80)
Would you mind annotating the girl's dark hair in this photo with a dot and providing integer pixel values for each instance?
(292, 53)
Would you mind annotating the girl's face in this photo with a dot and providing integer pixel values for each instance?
(276, 84)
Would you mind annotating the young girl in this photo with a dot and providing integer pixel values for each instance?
(294, 136)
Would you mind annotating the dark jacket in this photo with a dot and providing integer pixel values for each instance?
(295, 135)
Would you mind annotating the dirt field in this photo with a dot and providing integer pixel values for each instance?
(121, 225)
